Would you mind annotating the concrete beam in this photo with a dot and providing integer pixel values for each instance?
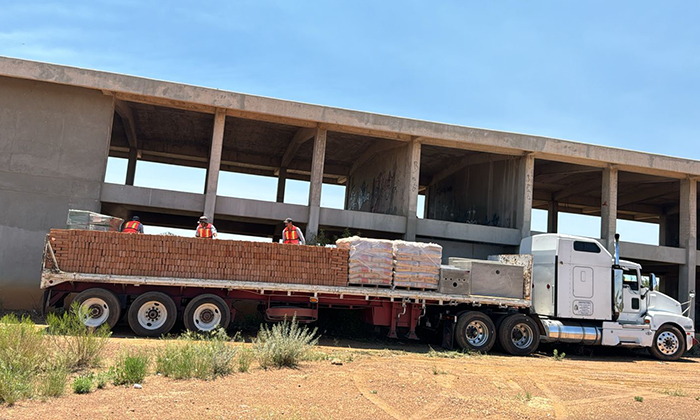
(553, 217)
(301, 136)
(552, 168)
(411, 185)
(151, 197)
(644, 194)
(217, 142)
(370, 153)
(362, 220)
(688, 235)
(465, 162)
(316, 184)
(608, 208)
(127, 116)
(467, 232)
(526, 177)
(576, 189)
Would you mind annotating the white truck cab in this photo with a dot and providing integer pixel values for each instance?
(582, 294)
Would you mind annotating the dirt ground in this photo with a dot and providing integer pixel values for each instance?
(389, 383)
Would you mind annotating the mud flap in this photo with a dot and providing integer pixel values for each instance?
(448, 331)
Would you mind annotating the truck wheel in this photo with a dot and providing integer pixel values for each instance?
(152, 314)
(519, 335)
(668, 344)
(475, 331)
(101, 306)
(206, 312)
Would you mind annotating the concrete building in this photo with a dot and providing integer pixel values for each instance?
(59, 125)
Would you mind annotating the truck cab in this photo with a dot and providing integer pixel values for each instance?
(582, 294)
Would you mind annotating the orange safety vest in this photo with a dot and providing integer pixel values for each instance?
(290, 235)
(131, 227)
(204, 232)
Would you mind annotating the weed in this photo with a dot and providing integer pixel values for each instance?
(130, 368)
(104, 377)
(83, 384)
(77, 345)
(437, 371)
(53, 382)
(558, 356)
(373, 391)
(22, 353)
(194, 355)
(638, 398)
(245, 358)
(697, 398)
(524, 397)
(675, 392)
(284, 345)
(452, 354)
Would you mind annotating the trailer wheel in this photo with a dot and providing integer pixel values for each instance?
(475, 331)
(668, 344)
(101, 307)
(152, 314)
(519, 335)
(206, 312)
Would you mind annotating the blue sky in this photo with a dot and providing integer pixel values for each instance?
(622, 74)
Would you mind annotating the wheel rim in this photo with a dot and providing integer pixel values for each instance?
(152, 315)
(667, 343)
(207, 316)
(522, 336)
(477, 333)
(96, 312)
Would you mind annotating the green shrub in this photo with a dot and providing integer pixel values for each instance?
(77, 345)
(245, 358)
(53, 382)
(103, 378)
(558, 356)
(639, 399)
(283, 345)
(195, 355)
(130, 368)
(83, 384)
(22, 353)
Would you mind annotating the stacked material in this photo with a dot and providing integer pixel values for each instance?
(416, 265)
(195, 258)
(87, 220)
(370, 261)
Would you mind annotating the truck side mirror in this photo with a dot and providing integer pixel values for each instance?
(617, 302)
(653, 283)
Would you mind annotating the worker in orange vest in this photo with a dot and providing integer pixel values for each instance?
(292, 234)
(134, 226)
(205, 229)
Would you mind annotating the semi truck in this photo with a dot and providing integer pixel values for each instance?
(576, 292)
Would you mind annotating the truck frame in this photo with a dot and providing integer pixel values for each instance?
(592, 315)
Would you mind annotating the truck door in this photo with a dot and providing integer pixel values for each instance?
(634, 306)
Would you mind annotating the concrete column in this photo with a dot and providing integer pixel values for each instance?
(689, 240)
(131, 166)
(553, 217)
(281, 183)
(316, 183)
(217, 143)
(663, 222)
(413, 162)
(608, 208)
(525, 181)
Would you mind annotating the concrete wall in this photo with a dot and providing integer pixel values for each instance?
(484, 194)
(54, 143)
(378, 186)
(468, 249)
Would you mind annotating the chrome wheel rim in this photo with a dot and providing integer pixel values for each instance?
(667, 343)
(522, 336)
(477, 333)
(96, 312)
(152, 315)
(207, 316)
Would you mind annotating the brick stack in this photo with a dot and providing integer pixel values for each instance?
(172, 256)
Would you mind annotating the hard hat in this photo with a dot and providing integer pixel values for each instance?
(203, 219)
(135, 218)
(287, 220)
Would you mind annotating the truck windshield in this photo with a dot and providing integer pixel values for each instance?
(629, 278)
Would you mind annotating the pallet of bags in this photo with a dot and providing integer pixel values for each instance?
(370, 261)
(416, 265)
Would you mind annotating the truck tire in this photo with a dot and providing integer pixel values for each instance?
(102, 307)
(475, 331)
(519, 335)
(152, 314)
(668, 344)
(206, 312)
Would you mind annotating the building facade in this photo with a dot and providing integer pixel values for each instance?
(59, 125)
